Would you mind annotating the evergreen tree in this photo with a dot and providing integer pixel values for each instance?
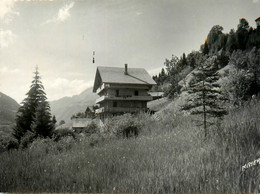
(205, 97)
(232, 42)
(205, 48)
(31, 110)
(155, 78)
(54, 121)
(242, 33)
(23, 121)
(42, 124)
(162, 77)
(183, 61)
(173, 71)
(61, 122)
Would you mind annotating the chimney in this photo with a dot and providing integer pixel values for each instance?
(126, 69)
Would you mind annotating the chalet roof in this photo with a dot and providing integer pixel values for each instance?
(257, 19)
(117, 75)
(156, 94)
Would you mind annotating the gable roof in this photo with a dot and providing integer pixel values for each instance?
(90, 109)
(257, 19)
(117, 75)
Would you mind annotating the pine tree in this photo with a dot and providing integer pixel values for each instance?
(23, 121)
(205, 48)
(42, 124)
(54, 121)
(32, 109)
(205, 96)
(183, 61)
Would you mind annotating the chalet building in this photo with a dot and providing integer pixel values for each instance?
(90, 112)
(121, 90)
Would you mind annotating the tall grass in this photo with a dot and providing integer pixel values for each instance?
(170, 155)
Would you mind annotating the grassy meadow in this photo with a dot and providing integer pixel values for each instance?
(170, 155)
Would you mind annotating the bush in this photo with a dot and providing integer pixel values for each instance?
(12, 144)
(42, 145)
(27, 139)
(8, 143)
(92, 128)
(238, 86)
(94, 139)
(125, 126)
(62, 133)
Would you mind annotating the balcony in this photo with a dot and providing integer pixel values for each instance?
(102, 87)
(132, 98)
(118, 110)
(100, 110)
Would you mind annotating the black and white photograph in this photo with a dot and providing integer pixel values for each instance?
(130, 96)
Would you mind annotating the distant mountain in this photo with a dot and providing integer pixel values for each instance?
(65, 107)
(8, 109)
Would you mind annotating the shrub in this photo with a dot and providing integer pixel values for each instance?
(61, 133)
(42, 145)
(8, 143)
(94, 139)
(12, 144)
(27, 139)
(65, 143)
(92, 128)
(125, 126)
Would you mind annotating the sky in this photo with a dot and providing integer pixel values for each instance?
(60, 36)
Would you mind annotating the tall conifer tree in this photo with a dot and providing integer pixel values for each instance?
(205, 97)
(34, 110)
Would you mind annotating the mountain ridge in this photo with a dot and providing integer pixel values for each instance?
(65, 107)
(8, 109)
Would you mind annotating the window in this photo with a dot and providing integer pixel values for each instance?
(114, 104)
(136, 92)
(117, 93)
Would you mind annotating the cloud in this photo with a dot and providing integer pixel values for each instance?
(7, 11)
(63, 14)
(139, 13)
(8, 70)
(7, 37)
(61, 87)
(255, 1)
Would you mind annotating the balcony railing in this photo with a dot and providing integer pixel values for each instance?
(100, 88)
(136, 98)
(118, 110)
(100, 110)
(121, 86)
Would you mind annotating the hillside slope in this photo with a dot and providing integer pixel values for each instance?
(167, 105)
(8, 109)
(65, 107)
(159, 104)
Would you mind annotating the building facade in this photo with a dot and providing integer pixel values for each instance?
(121, 90)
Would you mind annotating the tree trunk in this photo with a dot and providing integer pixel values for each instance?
(204, 111)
